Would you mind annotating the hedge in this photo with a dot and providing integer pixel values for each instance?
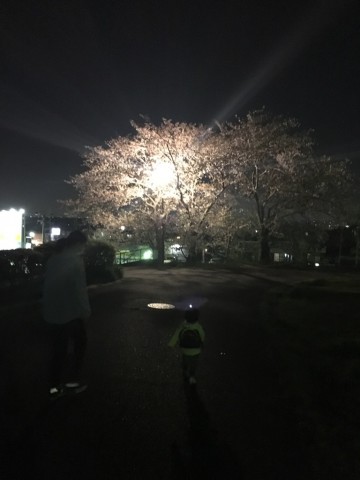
(21, 265)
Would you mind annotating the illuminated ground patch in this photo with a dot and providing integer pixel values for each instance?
(161, 306)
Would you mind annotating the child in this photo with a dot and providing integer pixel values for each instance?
(190, 337)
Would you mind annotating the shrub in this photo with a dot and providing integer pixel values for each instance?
(19, 265)
(46, 250)
(99, 254)
(99, 262)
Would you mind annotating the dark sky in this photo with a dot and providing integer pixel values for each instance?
(75, 73)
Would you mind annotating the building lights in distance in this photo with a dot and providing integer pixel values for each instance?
(11, 228)
(55, 232)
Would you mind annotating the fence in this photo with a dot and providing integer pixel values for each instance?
(127, 256)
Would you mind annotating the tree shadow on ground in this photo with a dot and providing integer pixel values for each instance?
(203, 456)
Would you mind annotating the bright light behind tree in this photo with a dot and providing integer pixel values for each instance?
(162, 175)
(147, 255)
(179, 177)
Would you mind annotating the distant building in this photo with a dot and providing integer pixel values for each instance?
(42, 228)
(11, 229)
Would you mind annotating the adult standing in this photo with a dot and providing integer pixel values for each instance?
(65, 307)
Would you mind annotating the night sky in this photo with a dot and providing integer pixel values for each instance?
(75, 73)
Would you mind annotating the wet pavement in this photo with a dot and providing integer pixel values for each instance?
(137, 420)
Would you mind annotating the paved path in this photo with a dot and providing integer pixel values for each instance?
(136, 421)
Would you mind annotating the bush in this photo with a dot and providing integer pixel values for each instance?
(46, 250)
(99, 254)
(99, 262)
(19, 265)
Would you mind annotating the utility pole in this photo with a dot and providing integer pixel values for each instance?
(340, 244)
(23, 232)
(42, 228)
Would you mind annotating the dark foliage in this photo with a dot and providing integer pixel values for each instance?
(99, 262)
(21, 265)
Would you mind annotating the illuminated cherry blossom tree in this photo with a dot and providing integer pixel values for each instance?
(274, 165)
(160, 177)
(186, 178)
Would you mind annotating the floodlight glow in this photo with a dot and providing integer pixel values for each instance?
(147, 255)
(31, 234)
(317, 264)
(11, 227)
(174, 249)
(162, 175)
(55, 231)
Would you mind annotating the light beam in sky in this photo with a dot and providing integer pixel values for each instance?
(285, 53)
(31, 119)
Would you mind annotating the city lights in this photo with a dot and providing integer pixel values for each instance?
(11, 228)
(55, 232)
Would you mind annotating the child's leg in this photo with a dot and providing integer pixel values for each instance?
(185, 367)
(192, 365)
(189, 365)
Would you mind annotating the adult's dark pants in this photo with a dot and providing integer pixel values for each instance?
(63, 336)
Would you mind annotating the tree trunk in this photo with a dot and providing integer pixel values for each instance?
(264, 246)
(357, 248)
(192, 249)
(160, 245)
(340, 245)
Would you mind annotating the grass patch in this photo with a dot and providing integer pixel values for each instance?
(315, 330)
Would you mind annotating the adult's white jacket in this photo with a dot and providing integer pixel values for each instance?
(65, 295)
